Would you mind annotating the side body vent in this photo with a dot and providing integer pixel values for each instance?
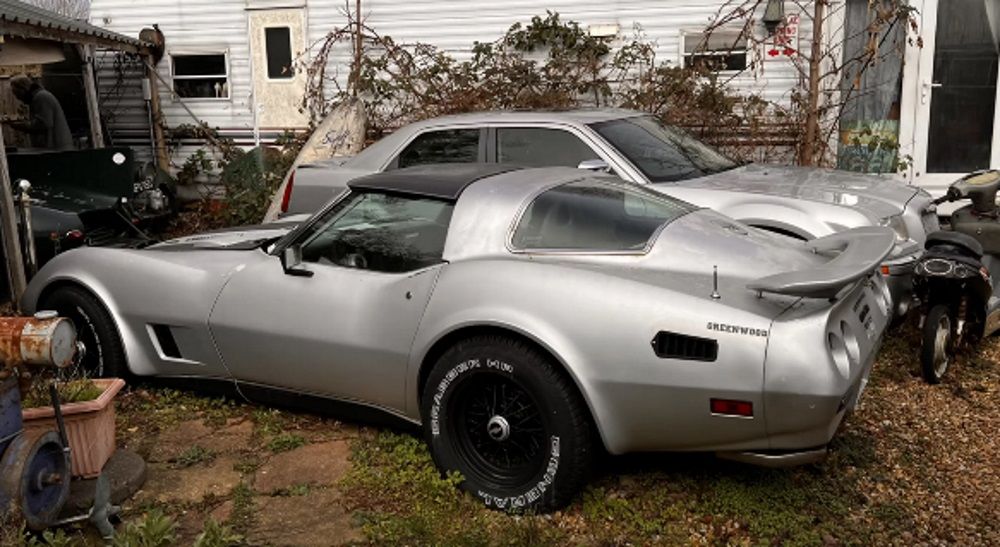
(671, 345)
(165, 339)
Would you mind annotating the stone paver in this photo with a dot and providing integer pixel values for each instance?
(165, 484)
(172, 442)
(313, 464)
(317, 518)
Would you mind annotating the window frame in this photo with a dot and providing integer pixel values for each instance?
(616, 181)
(683, 53)
(267, 72)
(203, 53)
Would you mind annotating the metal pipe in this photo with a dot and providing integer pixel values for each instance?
(41, 340)
(29, 235)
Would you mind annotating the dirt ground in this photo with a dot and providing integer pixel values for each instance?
(915, 465)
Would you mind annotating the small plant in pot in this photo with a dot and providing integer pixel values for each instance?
(89, 415)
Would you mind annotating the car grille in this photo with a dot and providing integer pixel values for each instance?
(101, 237)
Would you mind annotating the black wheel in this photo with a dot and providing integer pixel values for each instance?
(504, 416)
(36, 477)
(103, 353)
(938, 340)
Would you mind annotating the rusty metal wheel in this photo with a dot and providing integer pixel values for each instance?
(35, 477)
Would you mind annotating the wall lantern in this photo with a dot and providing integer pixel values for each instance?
(774, 15)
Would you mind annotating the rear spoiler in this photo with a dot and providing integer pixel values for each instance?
(856, 253)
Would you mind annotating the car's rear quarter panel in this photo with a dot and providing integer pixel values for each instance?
(809, 388)
(600, 327)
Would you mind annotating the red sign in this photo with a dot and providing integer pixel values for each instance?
(786, 37)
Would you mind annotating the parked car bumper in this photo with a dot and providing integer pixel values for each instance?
(898, 274)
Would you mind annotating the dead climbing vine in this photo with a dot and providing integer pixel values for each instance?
(547, 63)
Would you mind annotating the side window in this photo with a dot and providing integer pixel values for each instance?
(447, 146)
(599, 215)
(380, 232)
(539, 147)
(203, 76)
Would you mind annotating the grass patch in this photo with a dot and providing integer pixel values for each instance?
(295, 490)
(194, 456)
(241, 519)
(285, 442)
(400, 498)
(72, 391)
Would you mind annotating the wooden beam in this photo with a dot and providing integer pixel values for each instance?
(90, 95)
(160, 144)
(9, 233)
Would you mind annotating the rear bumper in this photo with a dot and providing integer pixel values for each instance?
(778, 459)
(898, 275)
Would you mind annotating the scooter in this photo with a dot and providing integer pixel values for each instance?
(960, 300)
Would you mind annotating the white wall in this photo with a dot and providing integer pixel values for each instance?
(221, 25)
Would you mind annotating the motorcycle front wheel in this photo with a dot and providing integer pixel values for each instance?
(938, 335)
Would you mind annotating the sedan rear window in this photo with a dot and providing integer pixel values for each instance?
(595, 214)
(661, 152)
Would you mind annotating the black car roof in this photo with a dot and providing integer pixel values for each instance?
(439, 181)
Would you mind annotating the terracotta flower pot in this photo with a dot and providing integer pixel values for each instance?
(90, 427)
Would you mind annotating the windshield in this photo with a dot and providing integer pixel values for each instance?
(603, 215)
(661, 152)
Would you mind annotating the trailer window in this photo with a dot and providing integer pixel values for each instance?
(595, 215)
(201, 76)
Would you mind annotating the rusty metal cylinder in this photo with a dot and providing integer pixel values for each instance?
(44, 339)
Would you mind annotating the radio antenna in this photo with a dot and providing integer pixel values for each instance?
(715, 283)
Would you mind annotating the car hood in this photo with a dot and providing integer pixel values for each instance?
(71, 200)
(232, 239)
(877, 196)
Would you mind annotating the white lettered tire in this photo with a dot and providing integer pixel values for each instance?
(499, 412)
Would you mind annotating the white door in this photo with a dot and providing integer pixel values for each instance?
(950, 121)
(277, 43)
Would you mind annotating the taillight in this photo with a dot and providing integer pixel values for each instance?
(288, 192)
(729, 407)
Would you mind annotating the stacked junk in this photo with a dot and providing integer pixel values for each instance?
(35, 466)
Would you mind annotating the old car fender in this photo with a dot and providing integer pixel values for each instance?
(145, 287)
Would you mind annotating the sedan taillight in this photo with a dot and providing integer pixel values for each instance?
(287, 197)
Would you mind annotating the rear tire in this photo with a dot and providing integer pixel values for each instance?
(938, 335)
(104, 355)
(500, 413)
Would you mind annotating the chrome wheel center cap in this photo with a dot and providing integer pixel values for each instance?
(498, 429)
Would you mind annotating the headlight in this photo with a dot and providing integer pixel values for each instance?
(896, 224)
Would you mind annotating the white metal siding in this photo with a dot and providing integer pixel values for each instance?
(221, 25)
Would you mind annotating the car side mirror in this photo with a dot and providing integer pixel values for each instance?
(595, 165)
(291, 260)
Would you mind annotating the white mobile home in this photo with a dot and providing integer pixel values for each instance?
(223, 58)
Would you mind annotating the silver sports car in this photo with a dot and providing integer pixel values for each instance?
(523, 317)
(802, 202)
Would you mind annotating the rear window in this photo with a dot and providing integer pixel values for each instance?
(663, 153)
(602, 215)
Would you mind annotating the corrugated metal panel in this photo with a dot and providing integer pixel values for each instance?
(221, 25)
(20, 12)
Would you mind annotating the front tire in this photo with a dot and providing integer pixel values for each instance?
(104, 356)
(938, 339)
(503, 415)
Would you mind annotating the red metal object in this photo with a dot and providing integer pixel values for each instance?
(41, 340)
